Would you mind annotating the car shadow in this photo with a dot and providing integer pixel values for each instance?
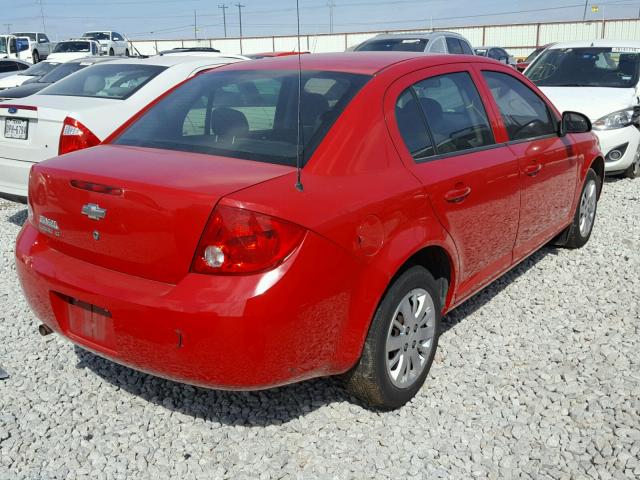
(273, 406)
(18, 218)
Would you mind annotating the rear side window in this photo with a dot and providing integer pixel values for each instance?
(453, 45)
(106, 81)
(455, 115)
(251, 115)
(524, 113)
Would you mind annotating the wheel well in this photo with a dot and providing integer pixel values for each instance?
(598, 166)
(437, 261)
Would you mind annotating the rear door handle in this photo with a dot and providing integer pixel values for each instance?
(457, 195)
(533, 170)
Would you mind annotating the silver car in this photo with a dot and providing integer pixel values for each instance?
(427, 42)
(497, 53)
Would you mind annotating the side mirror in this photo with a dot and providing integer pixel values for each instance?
(574, 122)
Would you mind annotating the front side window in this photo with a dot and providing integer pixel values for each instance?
(248, 114)
(454, 114)
(453, 45)
(524, 113)
(586, 67)
(98, 35)
(117, 37)
(106, 81)
(394, 45)
(466, 48)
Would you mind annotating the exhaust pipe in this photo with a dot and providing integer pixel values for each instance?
(44, 330)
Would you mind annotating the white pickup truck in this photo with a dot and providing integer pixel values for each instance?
(14, 47)
(39, 45)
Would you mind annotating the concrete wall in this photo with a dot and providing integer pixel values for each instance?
(520, 39)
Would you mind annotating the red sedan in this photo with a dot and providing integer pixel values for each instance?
(186, 246)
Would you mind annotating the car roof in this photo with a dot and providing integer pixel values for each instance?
(367, 63)
(603, 43)
(172, 60)
(409, 36)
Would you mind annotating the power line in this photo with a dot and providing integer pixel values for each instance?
(224, 17)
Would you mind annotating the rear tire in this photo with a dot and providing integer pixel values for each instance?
(126, 52)
(578, 233)
(634, 169)
(35, 56)
(400, 347)
(111, 53)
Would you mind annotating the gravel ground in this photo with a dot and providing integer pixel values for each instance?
(538, 376)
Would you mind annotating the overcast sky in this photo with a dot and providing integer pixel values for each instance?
(175, 19)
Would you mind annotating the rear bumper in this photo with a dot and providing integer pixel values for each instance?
(229, 332)
(14, 177)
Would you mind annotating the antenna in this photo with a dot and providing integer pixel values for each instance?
(299, 185)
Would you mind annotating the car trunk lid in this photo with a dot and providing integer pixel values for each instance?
(139, 211)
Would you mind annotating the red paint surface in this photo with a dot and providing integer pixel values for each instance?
(366, 207)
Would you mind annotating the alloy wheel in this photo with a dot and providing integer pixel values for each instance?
(410, 338)
(588, 202)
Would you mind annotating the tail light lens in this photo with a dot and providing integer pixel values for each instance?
(75, 136)
(239, 241)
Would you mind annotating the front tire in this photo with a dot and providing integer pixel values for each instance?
(111, 52)
(126, 52)
(401, 344)
(579, 232)
(633, 171)
(35, 56)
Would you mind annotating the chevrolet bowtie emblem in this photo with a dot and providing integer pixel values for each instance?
(93, 211)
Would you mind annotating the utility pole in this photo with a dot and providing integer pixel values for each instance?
(8, 27)
(224, 18)
(44, 27)
(240, 6)
(331, 4)
(195, 24)
(584, 15)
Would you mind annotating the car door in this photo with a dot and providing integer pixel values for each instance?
(445, 137)
(119, 43)
(548, 163)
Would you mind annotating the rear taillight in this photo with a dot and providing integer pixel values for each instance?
(75, 136)
(239, 241)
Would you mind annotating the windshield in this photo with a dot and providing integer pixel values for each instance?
(39, 69)
(65, 47)
(3, 45)
(394, 45)
(586, 67)
(533, 55)
(32, 36)
(106, 81)
(98, 35)
(249, 115)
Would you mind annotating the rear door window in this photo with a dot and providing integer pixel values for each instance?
(524, 113)
(250, 115)
(456, 119)
(412, 126)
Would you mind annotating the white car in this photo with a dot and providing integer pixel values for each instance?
(32, 72)
(14, 47)
(39, 45)
(82, 110)
(600, 79)
(74, 49)
(111, 43)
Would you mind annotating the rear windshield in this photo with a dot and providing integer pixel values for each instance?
(60, 72)
(106, 81)
(98, 35)
(586, 67)
(39, 69)
(394, 45)
(250, 115)
(65, 47)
